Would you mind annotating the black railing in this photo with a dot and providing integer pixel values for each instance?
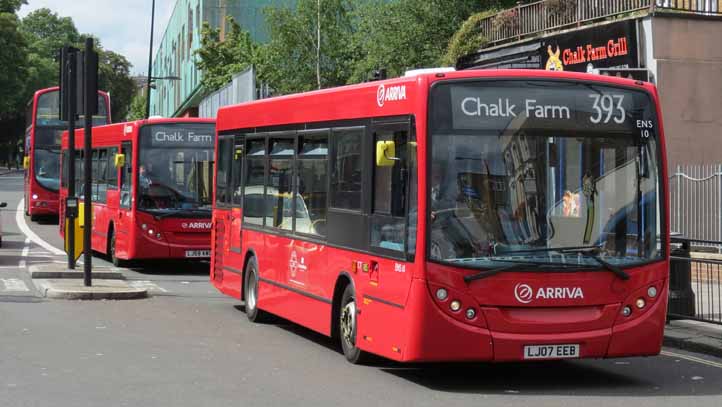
(695, 283)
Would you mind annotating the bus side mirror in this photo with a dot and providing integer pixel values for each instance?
(26, 162)
(386, 154)
(119, 160)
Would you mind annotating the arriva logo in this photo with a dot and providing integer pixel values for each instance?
(196, 225)
(525, 294)
(392, 94)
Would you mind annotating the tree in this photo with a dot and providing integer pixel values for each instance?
(137, 106)
(220, 60)
(14, 61)
(293, 56)
(407, 34)
(114, 77)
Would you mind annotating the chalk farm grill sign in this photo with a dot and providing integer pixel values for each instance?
(605, 46)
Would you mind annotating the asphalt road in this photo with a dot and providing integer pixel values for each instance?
(187, 345)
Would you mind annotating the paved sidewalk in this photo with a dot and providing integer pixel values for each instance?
(54, 280)
(694, 336)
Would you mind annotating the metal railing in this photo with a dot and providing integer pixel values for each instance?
(530, 19)
(695, 284)
(696, 204)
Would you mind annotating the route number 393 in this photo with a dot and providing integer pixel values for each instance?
(607, 108)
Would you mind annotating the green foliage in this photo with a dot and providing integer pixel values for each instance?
(468, 39)
(220, 60)
(46, 32)
(14, 63)
(114, 77)
(407, 34)
(11, 6)
(291, 60)
(137, 107)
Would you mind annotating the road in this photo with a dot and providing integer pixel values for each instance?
(187, 345)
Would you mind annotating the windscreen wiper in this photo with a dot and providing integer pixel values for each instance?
(587, 251)
(515, 266)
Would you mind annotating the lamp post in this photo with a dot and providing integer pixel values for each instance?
(150, 60)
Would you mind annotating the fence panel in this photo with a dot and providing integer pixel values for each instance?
(696, 204)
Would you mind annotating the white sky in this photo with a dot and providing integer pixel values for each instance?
(123, 26)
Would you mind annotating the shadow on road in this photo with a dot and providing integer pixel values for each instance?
(171, 267)
(632, 377)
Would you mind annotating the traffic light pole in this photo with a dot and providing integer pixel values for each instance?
(91, 100)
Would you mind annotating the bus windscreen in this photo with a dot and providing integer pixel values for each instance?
(519, 168)
(175, 170)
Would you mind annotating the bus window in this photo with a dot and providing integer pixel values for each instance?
(225, 144)
(346, 174)
(236, 168)
(279, 191)
(312, 179)
(125, 175)
(254, 206)
(390, 189)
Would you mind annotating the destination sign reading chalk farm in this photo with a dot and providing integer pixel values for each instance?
(180, 136)
(484, 107)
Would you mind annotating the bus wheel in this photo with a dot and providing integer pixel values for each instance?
(111, 251)
(347, 327)
(250, 293)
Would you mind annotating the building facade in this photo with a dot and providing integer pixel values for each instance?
(671, 43)
(176, 52)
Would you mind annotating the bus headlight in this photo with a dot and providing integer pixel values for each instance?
(470, 313)
(144, 226)
(157, 235)
(455, 305)
(627, 311)
(652, 291)
(150, 232)
(640, 303)
(442, 294)
(35, 196)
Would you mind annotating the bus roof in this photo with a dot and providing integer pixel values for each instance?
(392, 97)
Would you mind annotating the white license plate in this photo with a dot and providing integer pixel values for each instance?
(198, 253)
(551, 351)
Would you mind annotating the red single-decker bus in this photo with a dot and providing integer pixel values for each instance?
(499, 215)
(151, 188)
(42, 149)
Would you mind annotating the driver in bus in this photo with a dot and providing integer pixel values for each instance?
(145, 175)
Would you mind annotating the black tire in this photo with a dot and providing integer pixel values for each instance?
(347, 323)
(111, 251)
(250, 293)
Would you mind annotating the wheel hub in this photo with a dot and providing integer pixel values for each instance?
(348, 323)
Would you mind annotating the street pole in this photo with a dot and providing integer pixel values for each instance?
(150, 61)
(70, 101)
(90, 107)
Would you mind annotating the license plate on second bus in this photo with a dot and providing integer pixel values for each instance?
(551, 351)
(198, 253)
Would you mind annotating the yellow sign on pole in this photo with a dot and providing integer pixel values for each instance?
(78, 225)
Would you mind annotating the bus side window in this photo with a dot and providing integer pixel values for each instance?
(312, 183)
(254, 204)
(112, 171)
(225, 150)
(388, 218)
(126, 175)
(346, 168)
(236, 170)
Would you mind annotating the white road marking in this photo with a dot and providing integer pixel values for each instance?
(20, 220)
(23, 256)
(148, 285)
(14, 284)
(692, 359)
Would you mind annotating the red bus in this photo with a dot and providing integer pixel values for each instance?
(151, 188)
(497, 215)
(42, 149)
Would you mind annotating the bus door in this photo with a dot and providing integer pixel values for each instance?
(124, 222)
(222, 214)
(236, 219)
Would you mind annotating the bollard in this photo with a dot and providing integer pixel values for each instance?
(681, 296)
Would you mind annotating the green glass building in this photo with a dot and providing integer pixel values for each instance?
(175, 55)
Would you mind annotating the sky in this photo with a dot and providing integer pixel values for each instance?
(123, 26)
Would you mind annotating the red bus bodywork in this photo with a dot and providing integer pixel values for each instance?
(133, 226)
(399, 316)
(39, 199)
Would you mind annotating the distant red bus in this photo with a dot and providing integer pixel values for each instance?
(462, 216)
(42, 149)
(157, 204)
